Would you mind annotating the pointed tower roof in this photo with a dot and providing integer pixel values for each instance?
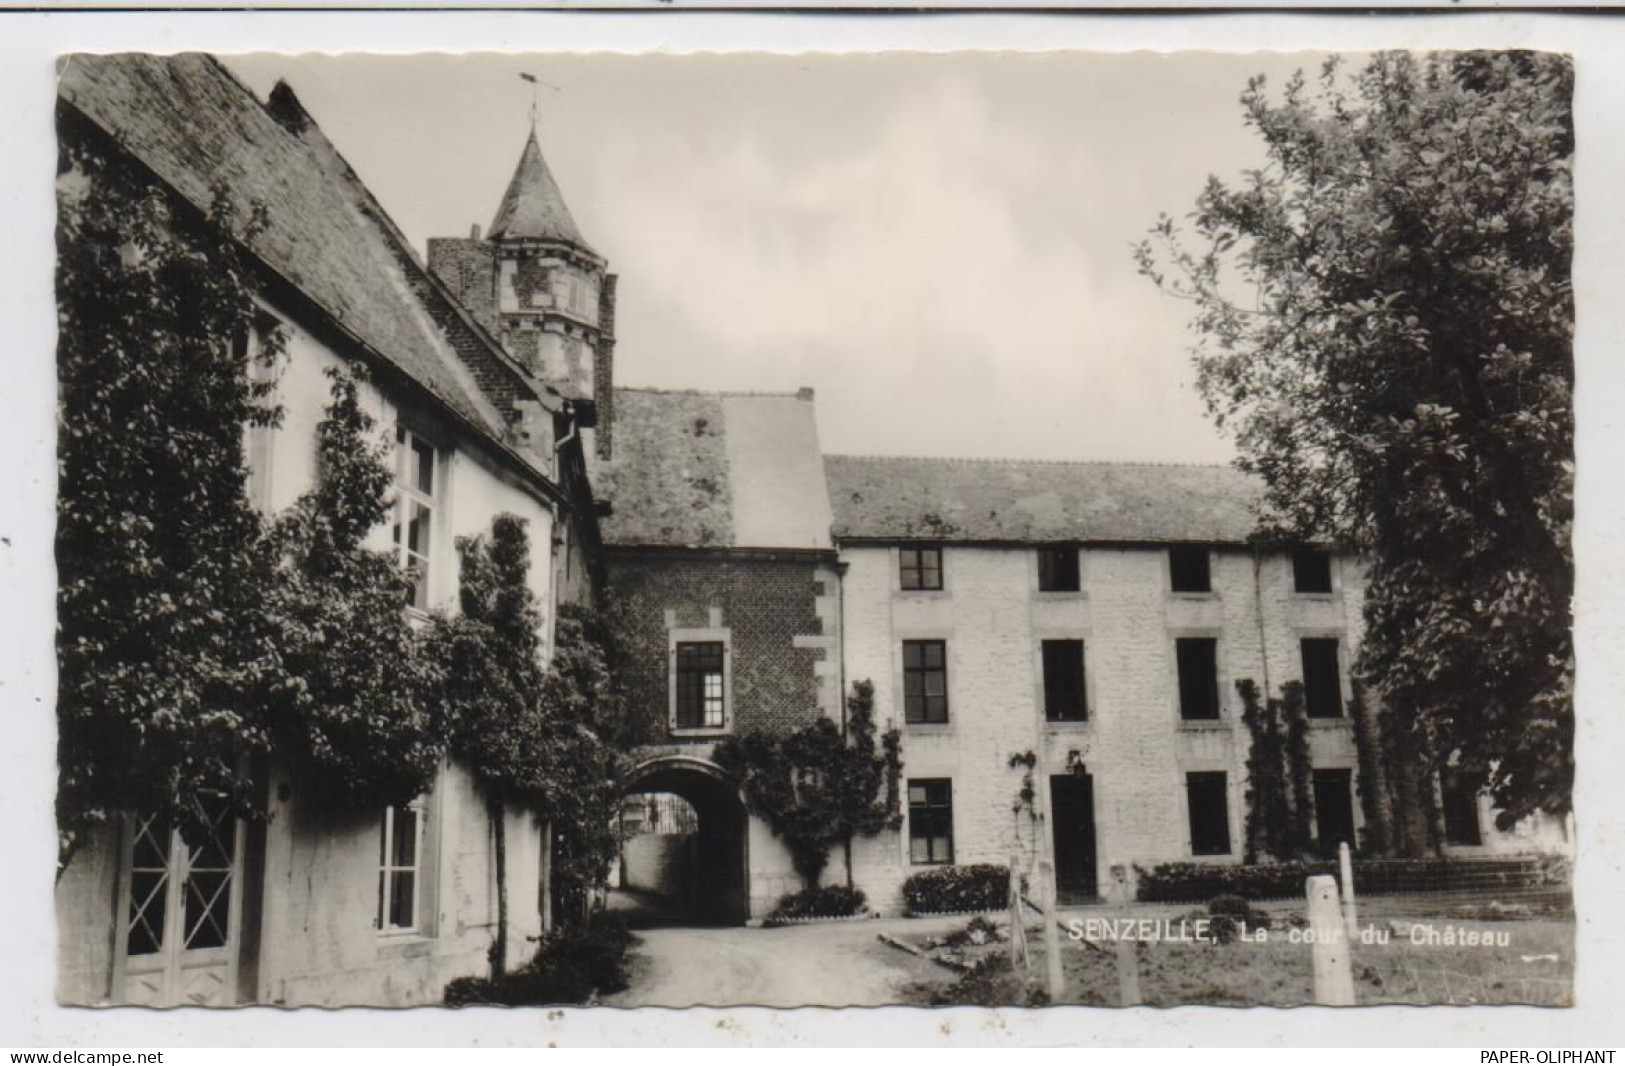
(533, 208)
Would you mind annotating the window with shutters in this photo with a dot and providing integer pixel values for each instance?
(1064, 698)
(1207, 798)
(930, 821)
(1198, 663)
(925, 682)
(1322, 678)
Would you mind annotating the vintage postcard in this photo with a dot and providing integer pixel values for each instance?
(892, 529)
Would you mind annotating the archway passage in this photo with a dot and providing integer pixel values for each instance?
(689, 866)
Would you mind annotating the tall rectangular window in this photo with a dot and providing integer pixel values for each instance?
(1311, 571)
(701, 702)
(414, 509)
(925, 681)
(1064, 699)
(1334, 809)
(1322, 678)
(919, 569)
(1208, 800)
(1188, 570)
(1058, 568)
(1198, 659)
(930, 821)
(400, 867)
(1460, 810)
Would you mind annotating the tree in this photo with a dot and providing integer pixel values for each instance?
(359, 725)
(165, 652)
(817, 787)
(1384, 322)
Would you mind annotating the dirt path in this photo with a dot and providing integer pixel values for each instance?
(836, 964)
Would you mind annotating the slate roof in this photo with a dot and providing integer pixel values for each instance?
(533, 207)
(994, 500)
(714, 470)
(194, 125)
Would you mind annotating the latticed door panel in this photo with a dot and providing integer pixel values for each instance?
(180, 912)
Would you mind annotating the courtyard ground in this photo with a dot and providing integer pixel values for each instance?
(847, 964)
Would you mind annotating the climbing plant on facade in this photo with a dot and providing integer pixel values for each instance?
(816, 787)
(165, 652)
(358, 719)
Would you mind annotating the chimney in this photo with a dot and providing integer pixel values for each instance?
(603, 369)
(474, 232)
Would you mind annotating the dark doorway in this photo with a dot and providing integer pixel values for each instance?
(1334, 809)
(703, 879)
(1072, 811)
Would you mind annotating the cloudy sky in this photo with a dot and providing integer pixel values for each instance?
(940, 245)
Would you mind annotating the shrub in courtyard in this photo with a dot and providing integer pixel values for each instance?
(829, 901)
(980, 887)
(569, 967)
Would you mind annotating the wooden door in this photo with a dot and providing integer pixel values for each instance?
(180, 907)
(1072, 813)
(1334, 810)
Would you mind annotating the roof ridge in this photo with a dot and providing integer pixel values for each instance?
(954, 460)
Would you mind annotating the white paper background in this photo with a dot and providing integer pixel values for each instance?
(28, 43)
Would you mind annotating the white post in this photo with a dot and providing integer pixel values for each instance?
(1128, 959)
(1018, 929)
(1329, 953)
(1052, 937)
(1345, 868)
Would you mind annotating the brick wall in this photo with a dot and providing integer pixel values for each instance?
(773, 610)
(467, 267)
(1134, 745)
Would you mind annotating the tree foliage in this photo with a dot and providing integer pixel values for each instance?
(1385, 320)
(359, 721)
(537, 735)
(816, 787)
(166, 658)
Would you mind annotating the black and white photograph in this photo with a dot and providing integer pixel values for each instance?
(892, 529)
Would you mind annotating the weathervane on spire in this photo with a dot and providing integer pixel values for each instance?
(535, 84)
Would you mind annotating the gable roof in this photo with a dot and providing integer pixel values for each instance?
(993, 500)
(196, 126)
(533, 207)
(714, 470)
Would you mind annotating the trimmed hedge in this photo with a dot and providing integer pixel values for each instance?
(1196, 882)
(827, 901)
(981, 887)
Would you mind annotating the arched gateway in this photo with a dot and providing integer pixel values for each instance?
(707, 881)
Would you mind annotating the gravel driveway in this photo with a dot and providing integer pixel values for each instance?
(831, 964)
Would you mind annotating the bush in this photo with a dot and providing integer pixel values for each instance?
(828, 901)
(990, 982)
(569, 967)
(982, 887)
(1195, 882)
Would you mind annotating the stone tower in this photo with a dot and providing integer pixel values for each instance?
(535, 283)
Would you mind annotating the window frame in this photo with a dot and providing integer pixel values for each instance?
(1299, 558)
(1079, 714)
(1217, 688)
(1221, 822)
(389, 870)
(941, 817)
(701, 683)
(675, 638)
(919, 569)
(1336, 681)
(406, 495)
(1072, 568)
(924, 671)
(1190, 551)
